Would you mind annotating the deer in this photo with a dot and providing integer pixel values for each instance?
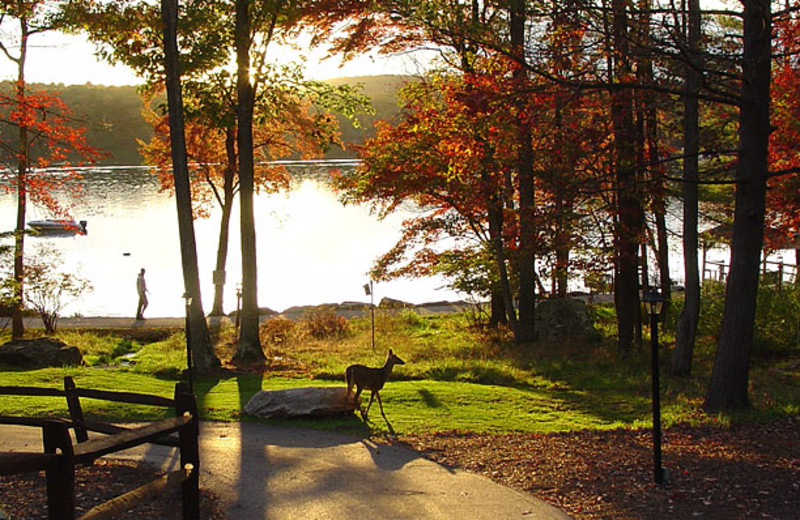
(372, 379)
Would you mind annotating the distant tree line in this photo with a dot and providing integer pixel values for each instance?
(114, 123)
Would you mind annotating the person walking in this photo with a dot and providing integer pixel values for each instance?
(141, 288)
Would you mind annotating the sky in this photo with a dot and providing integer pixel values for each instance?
(70, 60)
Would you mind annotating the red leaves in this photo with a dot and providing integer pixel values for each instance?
(783, 197)
(53, 137)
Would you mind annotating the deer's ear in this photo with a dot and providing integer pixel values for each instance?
(390, 352)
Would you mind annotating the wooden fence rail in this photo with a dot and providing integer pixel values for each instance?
(60, 455)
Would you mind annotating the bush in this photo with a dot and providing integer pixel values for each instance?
(323, 323)
(276, 331)
(777, 311)
(777, 315)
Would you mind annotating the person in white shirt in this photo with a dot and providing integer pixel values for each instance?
(141, 288)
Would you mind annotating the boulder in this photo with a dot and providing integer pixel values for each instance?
(562, 318)
(305, 402)
(39, 352)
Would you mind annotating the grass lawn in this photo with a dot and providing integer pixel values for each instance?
(457, 377)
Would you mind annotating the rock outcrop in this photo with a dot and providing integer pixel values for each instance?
(39, 352)
(563, 318)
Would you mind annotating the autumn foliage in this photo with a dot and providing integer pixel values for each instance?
(452, 152)
(783, 195)
(55, 139)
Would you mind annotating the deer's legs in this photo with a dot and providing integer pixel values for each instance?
(380, 404)
(372, 395)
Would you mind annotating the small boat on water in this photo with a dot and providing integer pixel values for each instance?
(63, 227)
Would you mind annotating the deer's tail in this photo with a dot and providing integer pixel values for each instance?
(348, 380)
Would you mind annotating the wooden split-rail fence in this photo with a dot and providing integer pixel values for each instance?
(60, 456)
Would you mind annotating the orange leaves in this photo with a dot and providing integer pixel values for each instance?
(53, 137)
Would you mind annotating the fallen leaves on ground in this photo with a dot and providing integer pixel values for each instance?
(746, 471)
(25, 496)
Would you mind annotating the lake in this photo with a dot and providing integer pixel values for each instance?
(311, 248)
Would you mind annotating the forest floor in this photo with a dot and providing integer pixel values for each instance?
(746, 471)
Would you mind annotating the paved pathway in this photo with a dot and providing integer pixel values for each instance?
(275, 472)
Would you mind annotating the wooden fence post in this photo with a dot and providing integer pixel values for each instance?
(61, 479)
(190, 451)
(75, 410)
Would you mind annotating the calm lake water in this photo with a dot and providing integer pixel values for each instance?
(311, 248)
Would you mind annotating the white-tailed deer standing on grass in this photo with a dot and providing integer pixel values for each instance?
(372, 379)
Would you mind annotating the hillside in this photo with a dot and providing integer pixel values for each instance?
(113, 120)
(382, 92)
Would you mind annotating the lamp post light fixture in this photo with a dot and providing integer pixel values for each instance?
(188, 298)
(654, 302)
(368, 288)
(238, 305)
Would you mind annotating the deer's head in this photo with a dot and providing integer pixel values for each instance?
(393, 359)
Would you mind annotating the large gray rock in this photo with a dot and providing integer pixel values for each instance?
(310, 401)
(563, 318)
(39, 352)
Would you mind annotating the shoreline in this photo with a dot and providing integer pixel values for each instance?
(347, 309)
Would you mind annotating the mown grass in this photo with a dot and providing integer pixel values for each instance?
(457, 377)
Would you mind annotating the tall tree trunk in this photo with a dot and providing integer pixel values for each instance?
(629, 210)
(526, 260)
(495, 216)
(249, 347)
(224, 226)
(729, 377)
(658, 188)
(686, 334)
(497, 307)
(662, 252)
(563, 241)
(203, 357)
(649, 114)
(17, 324)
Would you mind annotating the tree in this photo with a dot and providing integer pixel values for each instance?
(198, 337)
(448, 154)
(729, 378)
(783, 193)
(291, 117)
(55, 137)
(526, 332)
(207, 36)
(452, 152)
(257, 26)
(407, 25)
(249, 346)
(690, 315)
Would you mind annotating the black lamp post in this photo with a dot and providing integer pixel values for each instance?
(654, 302)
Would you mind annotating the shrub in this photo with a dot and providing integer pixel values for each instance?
(323, 323)
(48, 289)
(777, 310)
(276, 331)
